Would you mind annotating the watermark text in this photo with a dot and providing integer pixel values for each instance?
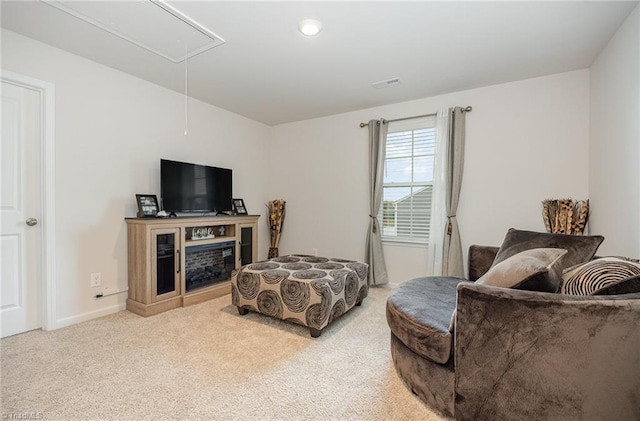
(22, 415)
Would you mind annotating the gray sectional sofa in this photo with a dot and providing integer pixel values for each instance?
(480, 352)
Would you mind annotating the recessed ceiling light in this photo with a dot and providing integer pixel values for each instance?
(310, 27)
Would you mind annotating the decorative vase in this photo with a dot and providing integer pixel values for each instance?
(565, 216)
(273, 252)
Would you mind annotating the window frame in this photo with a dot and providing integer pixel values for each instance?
(413, 239)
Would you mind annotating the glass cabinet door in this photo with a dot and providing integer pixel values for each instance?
(246, 245)
(166, 263)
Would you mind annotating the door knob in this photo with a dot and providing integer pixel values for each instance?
(32, 221)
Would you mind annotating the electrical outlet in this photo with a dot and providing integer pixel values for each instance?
(95, 279)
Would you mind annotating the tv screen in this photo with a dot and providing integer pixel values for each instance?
(194, 188)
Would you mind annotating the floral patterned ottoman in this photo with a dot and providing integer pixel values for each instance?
(309, 290)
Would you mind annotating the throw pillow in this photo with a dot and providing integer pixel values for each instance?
(580, 248)
(537, 269)
(627, 286)
(603, 276)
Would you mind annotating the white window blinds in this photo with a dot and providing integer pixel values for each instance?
(408, 181)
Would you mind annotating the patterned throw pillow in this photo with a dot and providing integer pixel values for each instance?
(596, 276)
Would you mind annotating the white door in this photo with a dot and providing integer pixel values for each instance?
(20, 210)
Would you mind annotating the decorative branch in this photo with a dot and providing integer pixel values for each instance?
(565, 216)
(276, 219)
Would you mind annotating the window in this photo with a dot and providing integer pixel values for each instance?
(408, 181)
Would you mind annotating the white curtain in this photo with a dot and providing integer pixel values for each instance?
(445, 248)
(438, 208)
(377, 151)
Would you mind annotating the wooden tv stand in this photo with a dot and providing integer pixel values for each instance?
(175, 262)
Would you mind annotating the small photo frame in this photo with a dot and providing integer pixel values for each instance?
(147, 205)
(238, 206)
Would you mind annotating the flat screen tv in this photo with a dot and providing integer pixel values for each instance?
(194, 188)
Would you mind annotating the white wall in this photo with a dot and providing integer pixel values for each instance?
(614, 170)
(111, 131)
(526, 141)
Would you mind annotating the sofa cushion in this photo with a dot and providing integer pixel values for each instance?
(580, 248)
(419, 314)
(603, 276)
(480, 260)
(537, 269)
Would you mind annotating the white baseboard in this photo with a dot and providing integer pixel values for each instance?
(68, 321)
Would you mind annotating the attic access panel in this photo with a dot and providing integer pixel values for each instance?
(151, 24)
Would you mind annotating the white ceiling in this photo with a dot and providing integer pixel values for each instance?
(269, 72)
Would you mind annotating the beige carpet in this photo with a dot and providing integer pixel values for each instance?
(207, 362)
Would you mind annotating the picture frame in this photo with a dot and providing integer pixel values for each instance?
(239, 207)
(147, 205)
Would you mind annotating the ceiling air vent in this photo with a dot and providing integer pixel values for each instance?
(386, 83)
(153, 25)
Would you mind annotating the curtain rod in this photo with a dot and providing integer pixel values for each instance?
(465, 109)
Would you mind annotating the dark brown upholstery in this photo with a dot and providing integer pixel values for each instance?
(431, 382)
(521, 355)
(580, 248)
(419, 314)
(480, 260)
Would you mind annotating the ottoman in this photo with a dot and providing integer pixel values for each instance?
(308, 290)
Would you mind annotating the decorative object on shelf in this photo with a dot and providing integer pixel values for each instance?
(221, 231)
(276, 219)
(147, 205)
(238, 207)
(201, 233)
(565, 216)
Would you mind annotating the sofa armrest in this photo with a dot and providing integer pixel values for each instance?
(531, 355)
(480, 260)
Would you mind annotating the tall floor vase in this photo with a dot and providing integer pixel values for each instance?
(273, 252)
(276, 220)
